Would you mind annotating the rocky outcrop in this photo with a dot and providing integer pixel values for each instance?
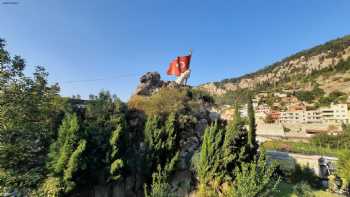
(151, 82)
(193, 119)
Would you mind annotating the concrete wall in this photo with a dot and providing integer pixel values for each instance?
(290, 160)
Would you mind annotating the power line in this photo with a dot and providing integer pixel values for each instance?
(100, 79)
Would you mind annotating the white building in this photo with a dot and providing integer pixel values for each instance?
(313, 116)
(292, 117)
(336, 113)
(301, 116)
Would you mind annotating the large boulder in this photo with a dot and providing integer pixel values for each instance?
(149, 83)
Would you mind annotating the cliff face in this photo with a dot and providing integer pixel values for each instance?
(154, 96)
(303, 63)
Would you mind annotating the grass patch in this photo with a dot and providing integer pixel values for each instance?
(286, 190)
(301, 147)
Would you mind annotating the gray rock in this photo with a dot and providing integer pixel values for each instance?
(214, 116)
(200, 126)
(149, 83)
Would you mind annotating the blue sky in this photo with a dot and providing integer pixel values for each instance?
(118, 41)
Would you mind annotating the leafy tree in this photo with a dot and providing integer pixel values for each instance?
(307, 96)
(333, 97)
(29, 117)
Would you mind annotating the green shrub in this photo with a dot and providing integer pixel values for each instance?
(303, 189)
(51, 187)
(159, 187)
(343, 167)
(255, 179)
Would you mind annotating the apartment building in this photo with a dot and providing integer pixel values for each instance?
(313, 116)
(301, 116)
(336, 113)
(292, 117)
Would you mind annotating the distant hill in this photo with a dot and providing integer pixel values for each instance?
(326, 66)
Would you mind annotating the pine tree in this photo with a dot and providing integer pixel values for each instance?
(153, 137)
(160, 187)
(234, 143)
(170, 130)
(161, 142)
(237, 116)
(67, 139)
(66, 154)
(210, 165)
(116, 144)
(73, 166)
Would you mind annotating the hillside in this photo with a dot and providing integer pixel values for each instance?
(326, 66)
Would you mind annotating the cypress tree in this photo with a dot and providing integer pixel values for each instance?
(170, 130)
(67, 139)
(237, 117)
(210, 158)
(161, 155)
(115, 159)
(66, 153)
(252, 144)
(235, 142)
(161, 141)
(73, 166)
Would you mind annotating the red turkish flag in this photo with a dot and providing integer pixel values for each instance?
(179, 65)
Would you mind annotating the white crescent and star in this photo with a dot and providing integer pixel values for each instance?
(182, 63)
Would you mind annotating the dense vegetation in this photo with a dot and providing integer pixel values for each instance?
(54, 146)
(229, 153)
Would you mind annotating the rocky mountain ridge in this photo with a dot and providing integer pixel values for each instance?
(304, 63)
